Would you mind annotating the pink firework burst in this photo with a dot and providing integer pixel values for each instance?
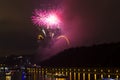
(52, 19)
(47, 18)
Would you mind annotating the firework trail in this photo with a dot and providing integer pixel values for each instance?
(64, 37)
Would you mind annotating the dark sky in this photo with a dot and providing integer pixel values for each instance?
(90, 22)
(93, 22)
(16, 29)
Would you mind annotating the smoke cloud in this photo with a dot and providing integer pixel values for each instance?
(86, 23)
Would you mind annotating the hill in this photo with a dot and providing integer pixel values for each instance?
(104, 55)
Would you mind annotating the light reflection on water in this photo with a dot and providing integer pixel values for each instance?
(60, 79)
(71, 75)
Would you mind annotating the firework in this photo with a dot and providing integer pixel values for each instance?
(46, 18)
(49, 24)
(64, 37)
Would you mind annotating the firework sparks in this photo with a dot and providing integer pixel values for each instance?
(52, 19)
(46, 18)
(64, 37)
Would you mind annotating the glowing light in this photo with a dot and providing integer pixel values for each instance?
(42, 17)
(40, 37)
(62, 36)
(8, 77)
(44, 32)
(52, 19)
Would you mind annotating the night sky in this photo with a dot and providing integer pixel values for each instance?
(86, 23)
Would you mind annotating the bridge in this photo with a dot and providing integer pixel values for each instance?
(79, 73)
